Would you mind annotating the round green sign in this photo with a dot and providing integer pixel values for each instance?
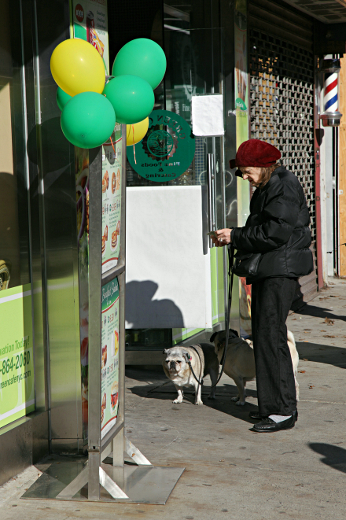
(167, 149)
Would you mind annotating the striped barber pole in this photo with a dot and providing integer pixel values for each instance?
(331, 115)
(331, 92)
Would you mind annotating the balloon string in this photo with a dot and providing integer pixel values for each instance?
(134, 148)
(115, 153)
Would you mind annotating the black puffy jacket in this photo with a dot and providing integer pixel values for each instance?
(277, 227)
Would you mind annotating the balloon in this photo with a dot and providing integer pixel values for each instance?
(62, 98)
(132, 98)
(141, 57)
(136, 132)
(77, 67)
(88, 120)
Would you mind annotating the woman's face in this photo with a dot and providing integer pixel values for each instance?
(252, 174)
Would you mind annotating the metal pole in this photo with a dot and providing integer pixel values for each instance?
(95, 277)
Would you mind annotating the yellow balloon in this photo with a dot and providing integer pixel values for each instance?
(136, 132)
(77, 67)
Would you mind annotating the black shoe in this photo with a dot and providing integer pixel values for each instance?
(268, 425)
(258, 417)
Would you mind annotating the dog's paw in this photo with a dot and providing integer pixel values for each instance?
(240, 403)
(235, 398)
(177, 401)
(211, 396)
(199, 402)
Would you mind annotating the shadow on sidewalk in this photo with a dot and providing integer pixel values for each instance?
(223, 403)
(333, 456)
(325, 354)
(318, 312)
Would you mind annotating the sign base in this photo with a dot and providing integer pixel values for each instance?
(65, 479)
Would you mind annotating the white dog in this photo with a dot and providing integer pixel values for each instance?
(178, 363)
(240, 360)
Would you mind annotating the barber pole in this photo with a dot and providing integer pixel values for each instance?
(331, 115)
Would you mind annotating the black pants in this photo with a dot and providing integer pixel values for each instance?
(271, 302)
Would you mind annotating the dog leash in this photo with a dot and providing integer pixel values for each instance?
(189, 363)
(228, 310)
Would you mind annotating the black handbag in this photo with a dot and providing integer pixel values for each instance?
(246, 264)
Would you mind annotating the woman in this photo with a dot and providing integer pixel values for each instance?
(278, 228)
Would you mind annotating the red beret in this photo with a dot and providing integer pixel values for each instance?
(255, 153)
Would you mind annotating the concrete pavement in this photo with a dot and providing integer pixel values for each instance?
(232, 472)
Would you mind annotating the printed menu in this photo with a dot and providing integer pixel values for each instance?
(111, 199)
(109, 356)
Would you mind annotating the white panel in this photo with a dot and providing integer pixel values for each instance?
(207, 115)
(167, 258)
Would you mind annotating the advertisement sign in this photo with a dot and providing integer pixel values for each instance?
(166, 151)
(110, 355)
(111, 199)
(17, 390)
(89, 18)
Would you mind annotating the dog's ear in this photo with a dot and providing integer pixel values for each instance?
(212, 337)
(186, 356)
(234, 332)
(166, 351)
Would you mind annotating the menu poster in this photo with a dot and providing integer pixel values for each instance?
(111, 199)
(90, 24)
(109, 355)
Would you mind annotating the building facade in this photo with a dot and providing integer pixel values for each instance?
(264, 58)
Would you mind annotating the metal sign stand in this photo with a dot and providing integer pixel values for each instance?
(140, 482)
(94, 473)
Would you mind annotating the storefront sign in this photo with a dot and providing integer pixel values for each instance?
(166, 151)
(111, 199)
(110, 356)
(17, 395)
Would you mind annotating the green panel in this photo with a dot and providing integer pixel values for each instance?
(64, 340)
(217, 284)
(17, 391)
(221, 285)
(214, 284)
(179, 335)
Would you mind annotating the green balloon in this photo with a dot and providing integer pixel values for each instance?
(132, 98)
(62, 98)
(141, 57)
(88, 120)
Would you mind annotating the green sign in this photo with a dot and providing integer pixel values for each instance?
(166, 151)
(17, 393)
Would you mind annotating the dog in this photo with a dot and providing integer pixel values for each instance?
(240, 360)
(203, 361)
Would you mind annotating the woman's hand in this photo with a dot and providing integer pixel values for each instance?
(223, 237)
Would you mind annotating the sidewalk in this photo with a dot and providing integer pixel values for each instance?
(232, 472)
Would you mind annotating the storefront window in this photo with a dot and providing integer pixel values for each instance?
(193, 68)
(17, 395)
(14, 259)
(198, 41)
